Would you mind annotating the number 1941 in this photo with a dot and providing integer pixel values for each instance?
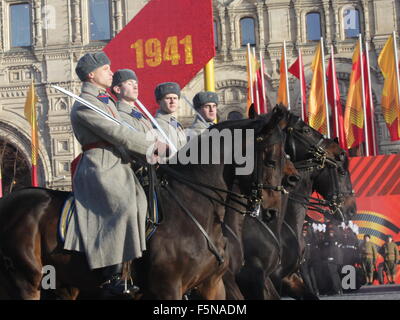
(152, 54)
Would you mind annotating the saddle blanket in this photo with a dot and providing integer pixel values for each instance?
(69, 209)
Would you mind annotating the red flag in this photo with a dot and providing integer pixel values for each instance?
(335, 103)
(297, 69)
(369, 106)
(166, 41)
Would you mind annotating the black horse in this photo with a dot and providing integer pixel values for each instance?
(323, 167)
(188, 249)
(277, 245)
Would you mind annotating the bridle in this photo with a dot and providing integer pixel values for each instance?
(317, 161)
(253, 207)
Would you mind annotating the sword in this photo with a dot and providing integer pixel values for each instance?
(148, 114)
(93, 107)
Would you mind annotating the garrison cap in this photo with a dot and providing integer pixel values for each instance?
(122, 75)
(204, 97)
(90, 62)
(165, 88)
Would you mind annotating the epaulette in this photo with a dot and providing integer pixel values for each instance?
(104, 98)
(136, 114)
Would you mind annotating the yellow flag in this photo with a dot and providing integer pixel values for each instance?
(282, 91)
(316, 104)
(390, 95)
(252, 66)
(30, 115)
(354, 112)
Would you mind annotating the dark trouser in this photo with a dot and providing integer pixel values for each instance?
(368, 267)
(308, 275)
(390, 268)
(333, 271)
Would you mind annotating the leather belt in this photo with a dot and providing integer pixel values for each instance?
(94, 145)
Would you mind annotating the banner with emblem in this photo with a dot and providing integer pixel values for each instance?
(167, 41)
(376, 182)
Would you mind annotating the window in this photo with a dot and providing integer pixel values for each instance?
(313, 21)
(215, 34)
(99, 17)
(247, 32)
(20, 25)
(351, 23)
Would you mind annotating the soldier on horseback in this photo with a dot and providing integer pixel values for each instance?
(167, 95)
(206, 104)
(109, 226)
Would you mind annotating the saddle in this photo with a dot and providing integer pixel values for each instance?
(147, 178)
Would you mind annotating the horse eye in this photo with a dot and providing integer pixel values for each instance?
(270, 163)
(306, 130)
(341, 156)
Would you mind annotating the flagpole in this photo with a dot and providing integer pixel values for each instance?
(328, 125)
(363, 98)
(396, 57)
(250, 72)
(333, 75)
(371, 101)
(286, 74)
(34, 137)
(264, 94)
(303, 111)
(256, 85)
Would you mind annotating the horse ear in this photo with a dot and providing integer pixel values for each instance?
(281, 109)
(252, 112)
(278, 114)
(336, 139)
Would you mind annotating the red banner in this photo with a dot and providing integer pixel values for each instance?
(168, 40)
(376, 182)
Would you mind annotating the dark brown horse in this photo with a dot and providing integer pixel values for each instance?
(179, 256)
(323, 167)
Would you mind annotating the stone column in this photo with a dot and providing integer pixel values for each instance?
(261, 28)
(231, 16)
(222, 20)
(336, 37)
(365, 13)
(327, 24)
(299, 29)
(37, 23)
(117, 16)
(76, 20)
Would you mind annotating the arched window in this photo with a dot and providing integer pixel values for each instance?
(351, 23)
(20, 25)
(99, 19)
(313, 23)
(216, 34)
(247, 32)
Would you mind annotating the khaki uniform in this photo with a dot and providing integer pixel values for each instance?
(172, 128)
(391, 256)
(134, 117)
(368, 258)
(198, 126)
(109, 226)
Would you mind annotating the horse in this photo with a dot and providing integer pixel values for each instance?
(323, 167)
(187, 250)
(261, 246)
(286, 176)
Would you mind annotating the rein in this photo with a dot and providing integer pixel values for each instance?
(253, 206)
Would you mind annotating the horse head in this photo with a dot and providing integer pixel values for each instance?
(310, 150)
(272, 172)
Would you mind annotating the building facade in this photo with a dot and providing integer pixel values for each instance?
(42, 40)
